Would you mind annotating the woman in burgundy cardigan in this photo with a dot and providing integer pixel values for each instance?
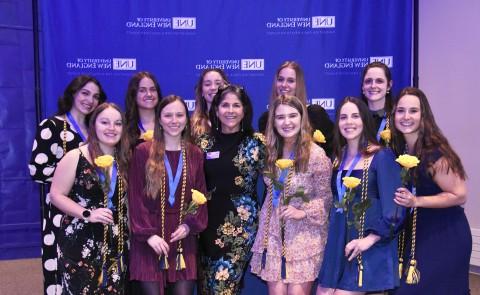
(162, 174)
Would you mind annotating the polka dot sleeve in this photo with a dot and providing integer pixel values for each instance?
(47, 148)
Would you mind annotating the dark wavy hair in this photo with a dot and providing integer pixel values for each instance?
(430, 137)
(65, 102)
(200, 114)
(367, 136)
(121, 148)
(133, 132)
(388, 75)
(238, 91)
(155, 166)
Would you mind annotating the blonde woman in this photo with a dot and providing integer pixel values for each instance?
(288, 249)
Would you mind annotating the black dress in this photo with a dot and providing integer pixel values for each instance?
(318, 118)
(80, 243)
(232, 165)
(47, 151)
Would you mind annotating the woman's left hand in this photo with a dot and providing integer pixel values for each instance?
(357, 246)
(181, 232)
(405, 198)
(290, 212)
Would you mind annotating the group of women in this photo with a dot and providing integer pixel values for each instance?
(156, 202)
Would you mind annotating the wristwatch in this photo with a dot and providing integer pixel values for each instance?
(86, 213)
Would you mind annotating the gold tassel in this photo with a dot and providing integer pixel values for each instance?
(400, 267)
(413, 274)
(180, 261)
(163, 259)
(100, 278)
(360, 275)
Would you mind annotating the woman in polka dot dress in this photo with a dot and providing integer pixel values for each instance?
(55, 136)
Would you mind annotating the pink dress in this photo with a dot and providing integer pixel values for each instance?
(304, 239)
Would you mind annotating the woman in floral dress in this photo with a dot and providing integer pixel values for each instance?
(93, 236)
(233, 159)
(288, 250)
(55, 136)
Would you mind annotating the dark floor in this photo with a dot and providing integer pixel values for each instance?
(24, 277)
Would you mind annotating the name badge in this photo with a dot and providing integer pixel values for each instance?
(213, 155)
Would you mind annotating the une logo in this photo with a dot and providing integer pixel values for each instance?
(326, 103)
(323, 21)
(252, 64)
(387, 60)
(124, 64)
(190, 104)
(184, 23)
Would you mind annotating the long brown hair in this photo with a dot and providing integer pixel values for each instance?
(121, 148)
(430, 137)
(301, 90)
(367, 136)
(155, 166)
(275, 141)
(200, 114)
(132, 114)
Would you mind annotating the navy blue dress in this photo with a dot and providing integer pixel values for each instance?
(443, 244)
(383, 218)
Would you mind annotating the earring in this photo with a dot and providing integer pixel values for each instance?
(241, 125)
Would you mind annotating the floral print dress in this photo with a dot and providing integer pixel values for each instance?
(80, 243)
(232, 165)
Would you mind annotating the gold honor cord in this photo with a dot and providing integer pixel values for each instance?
(362, 219)
(180, 260)
(413, 274)
(120, 264)
(283, 269)
(64, 135)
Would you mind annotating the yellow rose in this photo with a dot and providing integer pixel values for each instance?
(351, 182)
(203, 144)
(408, 161)
(284, 163)
(147, 136)
(104, 161)
(198, 197)
(319, 137)
(386, 135)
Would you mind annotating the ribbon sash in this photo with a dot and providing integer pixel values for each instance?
(140, 126)
(173, 182)
(113, 183)
(340, 186)
(381, 128)
(76, 127)
(281, 179)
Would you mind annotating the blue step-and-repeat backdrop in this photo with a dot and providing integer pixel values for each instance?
(176, 40)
